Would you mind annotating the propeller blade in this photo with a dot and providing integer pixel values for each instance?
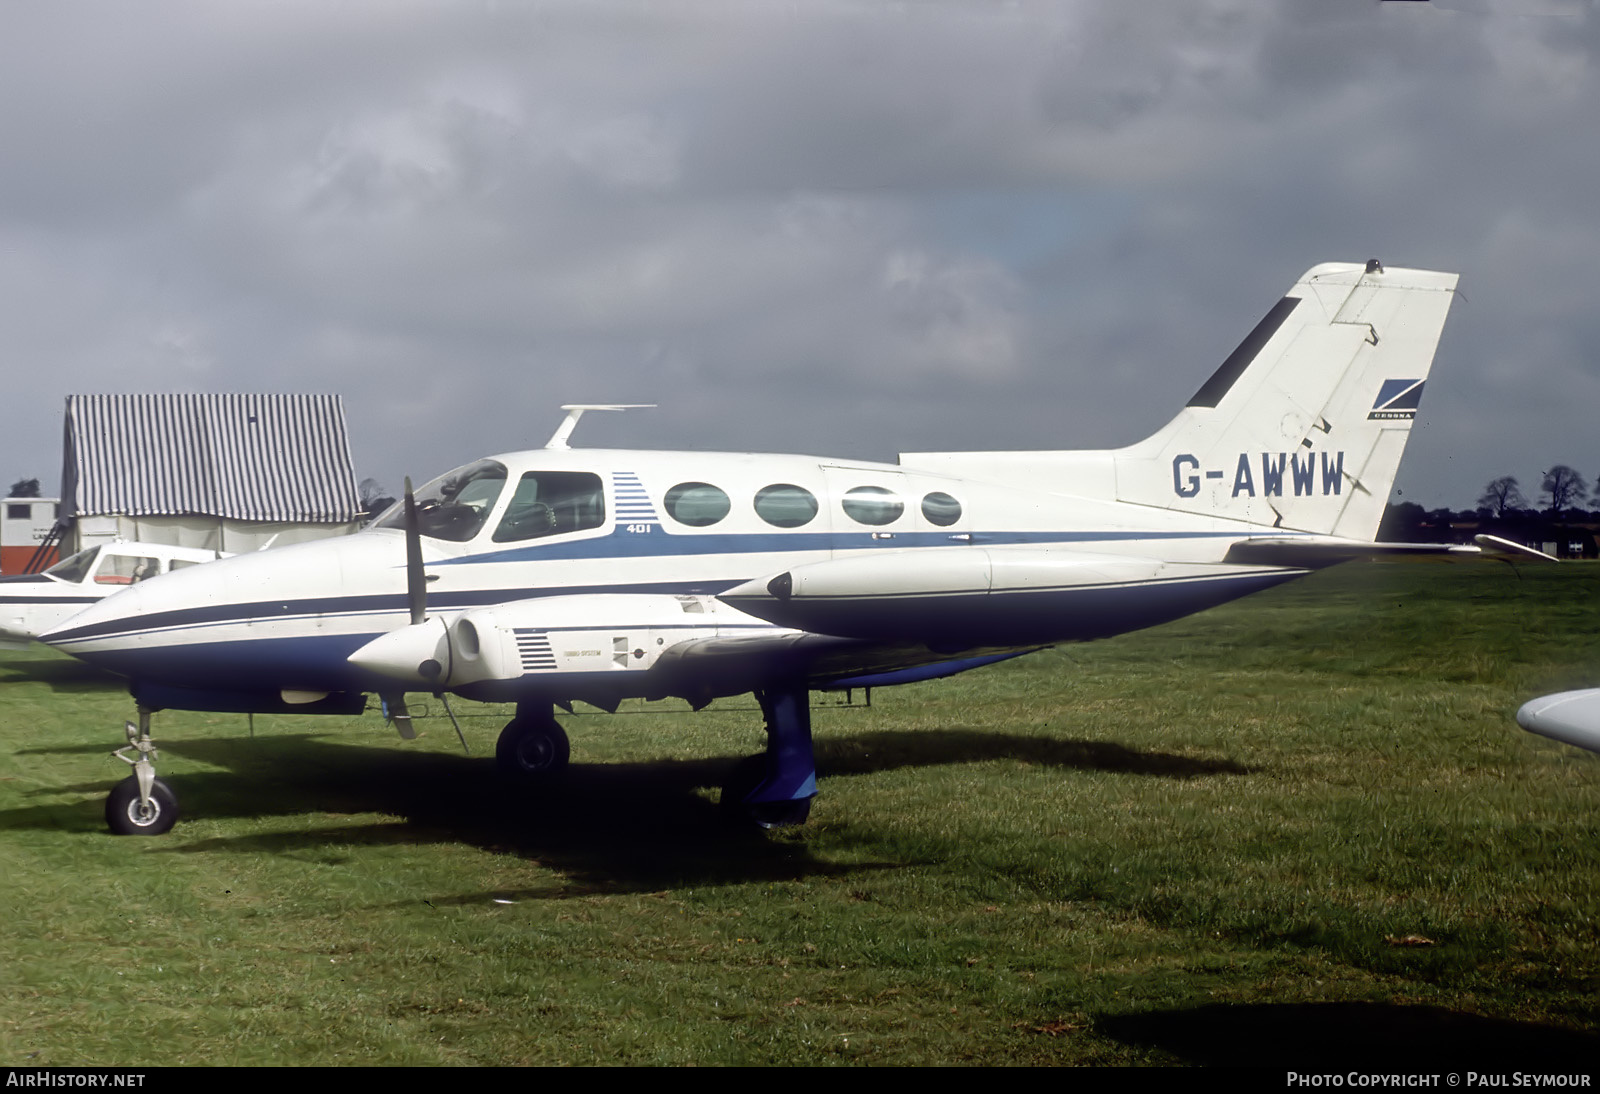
(416, 581)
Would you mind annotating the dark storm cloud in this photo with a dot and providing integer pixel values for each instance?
(849, 228)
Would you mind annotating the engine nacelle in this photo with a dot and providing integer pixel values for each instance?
(600, 633)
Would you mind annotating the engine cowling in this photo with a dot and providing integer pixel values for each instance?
(544, 636)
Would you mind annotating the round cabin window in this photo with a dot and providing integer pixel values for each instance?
(697, 504)
(785, 505)
(872, 505)
(941, 509)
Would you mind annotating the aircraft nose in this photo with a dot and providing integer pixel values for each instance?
(98, 618)
(287, 617)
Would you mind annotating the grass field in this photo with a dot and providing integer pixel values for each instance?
(1299, 829)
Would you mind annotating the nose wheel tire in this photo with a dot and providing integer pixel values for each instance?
(126, 815)
(536, 750)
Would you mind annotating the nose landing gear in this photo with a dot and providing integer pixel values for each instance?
(141, 804)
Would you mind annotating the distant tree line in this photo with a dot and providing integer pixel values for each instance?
(1559, 517)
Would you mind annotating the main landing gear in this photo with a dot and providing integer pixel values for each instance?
(141, 804)
(533, 746)
(775, 788)
(771, 789)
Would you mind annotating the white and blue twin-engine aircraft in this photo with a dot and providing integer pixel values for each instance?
(543, 577)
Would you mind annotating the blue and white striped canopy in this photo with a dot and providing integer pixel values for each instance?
(244, 457)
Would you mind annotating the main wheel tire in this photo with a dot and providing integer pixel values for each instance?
(533, 750)
(126, 815)
(741, 782)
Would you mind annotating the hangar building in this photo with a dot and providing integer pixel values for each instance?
(226, 473)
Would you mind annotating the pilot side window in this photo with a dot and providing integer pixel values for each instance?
(75, 568)
(785, 505)
(548, 503)
(454, 507)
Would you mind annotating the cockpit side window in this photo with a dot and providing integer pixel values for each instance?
(548, 503)
(126, 569)
(454, 507)
(76, 567)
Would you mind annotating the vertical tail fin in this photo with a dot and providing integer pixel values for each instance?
(1303, 426)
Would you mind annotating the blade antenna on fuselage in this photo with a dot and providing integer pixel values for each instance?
(575, 411)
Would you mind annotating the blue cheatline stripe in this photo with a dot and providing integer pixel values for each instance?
(619, 543)
(380, 604)
(268, 457)
(313, 608)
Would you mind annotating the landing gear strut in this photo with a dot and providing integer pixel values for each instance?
(141, 804)
(775, 789)
(533, 746)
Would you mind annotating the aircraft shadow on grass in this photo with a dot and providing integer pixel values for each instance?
(1338, 1036)
(62, 675)
(611, 826)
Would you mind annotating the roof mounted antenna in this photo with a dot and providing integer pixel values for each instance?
(575, 411)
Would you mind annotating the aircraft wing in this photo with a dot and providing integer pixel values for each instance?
(728, 665)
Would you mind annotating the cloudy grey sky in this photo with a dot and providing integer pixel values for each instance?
(832, 227)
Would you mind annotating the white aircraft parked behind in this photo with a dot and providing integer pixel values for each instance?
(555, 575)
(31, 604)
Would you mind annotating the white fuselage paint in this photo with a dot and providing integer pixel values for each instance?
(289, 618)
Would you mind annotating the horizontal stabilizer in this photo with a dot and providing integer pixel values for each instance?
(1317, 551)
(1497, 546)
(1313, 552)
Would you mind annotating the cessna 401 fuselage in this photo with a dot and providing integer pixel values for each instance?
(561, 574)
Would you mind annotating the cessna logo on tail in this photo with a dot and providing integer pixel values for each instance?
(1397, 399)
(1300, 469)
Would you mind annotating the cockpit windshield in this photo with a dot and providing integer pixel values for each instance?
(74, 568)
(454, 506)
